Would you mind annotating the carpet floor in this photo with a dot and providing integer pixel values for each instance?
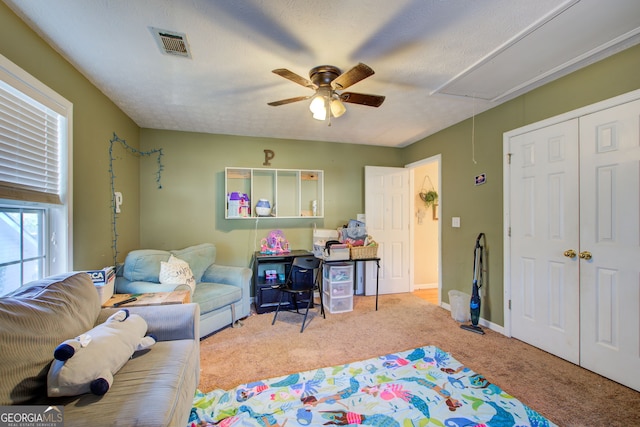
(561, 391)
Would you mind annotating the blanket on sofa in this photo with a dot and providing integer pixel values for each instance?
(419, 387)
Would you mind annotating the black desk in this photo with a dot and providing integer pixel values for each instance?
(355, 261)
(266, 296)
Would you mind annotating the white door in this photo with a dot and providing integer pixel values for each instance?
(544, 224)
(387, 219)
(610, 232)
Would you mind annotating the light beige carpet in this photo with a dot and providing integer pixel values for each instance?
(565, 393)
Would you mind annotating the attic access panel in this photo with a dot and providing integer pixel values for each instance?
(576, 34)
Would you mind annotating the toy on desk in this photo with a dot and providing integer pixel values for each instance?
(270, 274)
(274, 243)
(354, 233)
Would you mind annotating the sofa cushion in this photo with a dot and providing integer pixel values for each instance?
(154, 388)
(212, 296)
(33, 321)
(144, 265)
(199, 258)
(123, 286)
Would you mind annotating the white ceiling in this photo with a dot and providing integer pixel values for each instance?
(436, 61)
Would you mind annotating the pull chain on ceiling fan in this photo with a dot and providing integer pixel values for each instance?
(326, 80)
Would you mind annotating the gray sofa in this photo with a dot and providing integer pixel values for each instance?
(222, 292)
(155, 387)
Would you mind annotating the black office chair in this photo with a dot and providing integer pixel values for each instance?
(303, 280)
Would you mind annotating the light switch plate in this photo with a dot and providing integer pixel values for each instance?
(455, 222)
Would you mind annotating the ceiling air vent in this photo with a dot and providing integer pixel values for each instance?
(171, 42)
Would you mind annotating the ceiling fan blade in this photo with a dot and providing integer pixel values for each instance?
(289, 100)
(362, 98)
(351, 77)
(290, 75)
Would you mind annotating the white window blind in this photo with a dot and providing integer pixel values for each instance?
(29, 148)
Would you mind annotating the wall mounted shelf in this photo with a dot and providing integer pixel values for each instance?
(292, 193)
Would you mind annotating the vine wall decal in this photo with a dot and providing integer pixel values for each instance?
(113, 141)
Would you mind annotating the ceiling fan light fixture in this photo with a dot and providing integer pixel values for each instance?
(317, 105)
(326, 80)
(337, 107)
(320, 115)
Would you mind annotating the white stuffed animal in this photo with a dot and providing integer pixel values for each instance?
(88, 362)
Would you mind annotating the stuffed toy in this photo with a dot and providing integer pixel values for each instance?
(88, 362)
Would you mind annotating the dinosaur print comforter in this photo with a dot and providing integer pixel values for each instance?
(421, 387)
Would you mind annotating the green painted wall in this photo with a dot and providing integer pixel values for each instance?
(95, 118)
(189, 208)
(481, 208)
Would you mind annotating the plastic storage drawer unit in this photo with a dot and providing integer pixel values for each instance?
(339, 289)
(342, 272)
(337, 305)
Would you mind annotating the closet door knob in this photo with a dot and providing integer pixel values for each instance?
(585, 255)
(570, 253)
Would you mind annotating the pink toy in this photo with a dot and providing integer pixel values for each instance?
(274, 243)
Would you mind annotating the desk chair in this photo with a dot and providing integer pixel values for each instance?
(303, 280)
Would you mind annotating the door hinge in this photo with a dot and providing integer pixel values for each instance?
(509, 232)
(509, 304)
(508, 158)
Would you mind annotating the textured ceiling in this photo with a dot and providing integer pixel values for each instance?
(436, 61)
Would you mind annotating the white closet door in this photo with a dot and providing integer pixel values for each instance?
(610, 232)
(544, 224)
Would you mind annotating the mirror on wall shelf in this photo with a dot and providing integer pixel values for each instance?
(273, 193)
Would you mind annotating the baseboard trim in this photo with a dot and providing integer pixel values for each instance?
(483, 322)
(425, 286)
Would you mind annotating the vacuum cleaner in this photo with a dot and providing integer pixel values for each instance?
(477, 284)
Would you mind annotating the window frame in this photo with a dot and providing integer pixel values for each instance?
(23, 258)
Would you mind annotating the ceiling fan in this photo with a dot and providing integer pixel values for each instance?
(326, 80)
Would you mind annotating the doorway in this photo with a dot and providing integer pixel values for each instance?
(425, 236)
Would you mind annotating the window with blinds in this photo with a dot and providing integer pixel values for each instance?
(35, 179)
(29, 148)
